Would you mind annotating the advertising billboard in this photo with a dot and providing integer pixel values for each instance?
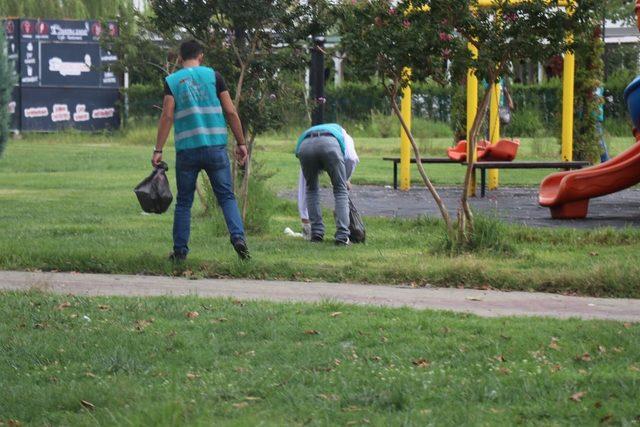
(66, 78)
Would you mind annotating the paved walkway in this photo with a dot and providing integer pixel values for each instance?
(482, 303)
(515, 205)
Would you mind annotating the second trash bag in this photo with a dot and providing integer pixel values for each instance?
(154, 192)
(358, 234)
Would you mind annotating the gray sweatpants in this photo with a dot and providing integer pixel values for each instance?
(318, 154)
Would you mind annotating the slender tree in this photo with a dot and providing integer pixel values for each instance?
(252, 45)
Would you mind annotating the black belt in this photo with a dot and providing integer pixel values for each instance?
(317, 135)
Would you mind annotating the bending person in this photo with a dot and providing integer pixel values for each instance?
(330, 148)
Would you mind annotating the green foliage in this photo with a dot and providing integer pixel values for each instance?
(589, 77)
(241, 42)
(490, 235)
(67, 9)
(262, 204)
(7, 80)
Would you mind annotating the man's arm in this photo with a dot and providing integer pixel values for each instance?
(233, 120)
(164, 128)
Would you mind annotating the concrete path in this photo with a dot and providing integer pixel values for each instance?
(482, 303)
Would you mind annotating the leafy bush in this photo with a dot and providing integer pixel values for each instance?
(263, 204)
(490, 236)
(525, 122)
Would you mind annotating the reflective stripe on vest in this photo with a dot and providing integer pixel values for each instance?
(198, 117)
(332, 128)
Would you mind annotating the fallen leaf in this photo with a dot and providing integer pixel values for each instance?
(311, 332)
(634, 368)
(89, 374)
(425, 411)
(606, 418)
(64, 305)
(192, 376)
(445, 330)
(376, 358)
(597, 405)
(504, 370)
(421, 363)
(554, 344)
(238, 302)
(556, 368)
(42, 325)
(140, 325)
(593, 253)
(602, 349)
(241, 370)
(220, 320)
(335, 314)
(252, 398)
(473, 299)
(240, 405)
(241, 333)
(586, 357)
(577, 397)
(500, 358)
(192, 314)
(13, 423)
(103, 307)
(88, 405)
(617, 349)
(337, 362)
(496, 411)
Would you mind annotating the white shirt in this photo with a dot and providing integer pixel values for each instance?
(350, 162)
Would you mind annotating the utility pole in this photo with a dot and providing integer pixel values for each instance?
(317, 80)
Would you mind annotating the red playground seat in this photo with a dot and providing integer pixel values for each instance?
(459, 152)
(504, 150)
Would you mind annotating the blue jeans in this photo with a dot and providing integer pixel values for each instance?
(215, 162)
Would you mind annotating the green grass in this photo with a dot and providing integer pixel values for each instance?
(142, 361)
(67, 204)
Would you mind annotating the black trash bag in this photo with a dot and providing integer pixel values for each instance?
(356, 225)
(154, 193)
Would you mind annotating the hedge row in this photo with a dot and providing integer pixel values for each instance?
(356, 102)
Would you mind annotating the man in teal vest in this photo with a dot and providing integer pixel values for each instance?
(323, 148)
(198, 104)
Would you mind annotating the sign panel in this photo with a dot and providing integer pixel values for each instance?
(50, 109)
(65, 76)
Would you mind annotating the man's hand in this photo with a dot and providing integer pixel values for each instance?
(241, 154)
(156, 159)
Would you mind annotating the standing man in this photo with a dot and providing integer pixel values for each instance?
(326, 147)
(197, 101)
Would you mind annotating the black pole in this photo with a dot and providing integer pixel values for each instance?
(317, 80)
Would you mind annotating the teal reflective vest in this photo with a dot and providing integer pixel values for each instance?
(198, 118)
(332, 128)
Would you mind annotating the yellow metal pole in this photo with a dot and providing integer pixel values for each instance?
(405, 144)
(568, 78)
(472, 111)
(494, 130)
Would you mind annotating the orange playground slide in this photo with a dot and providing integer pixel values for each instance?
(567, 194)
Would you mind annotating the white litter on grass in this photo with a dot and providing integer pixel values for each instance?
(145, 213)
(289, 232)
(86, 318)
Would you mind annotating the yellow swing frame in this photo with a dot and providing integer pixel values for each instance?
(568, 81)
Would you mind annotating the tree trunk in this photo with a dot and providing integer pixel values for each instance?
(466, 224)
(244, 189)
(425, 179)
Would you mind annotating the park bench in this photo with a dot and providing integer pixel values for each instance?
(483, 166)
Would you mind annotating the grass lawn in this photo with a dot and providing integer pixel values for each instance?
(67, 204)
(147, 361)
